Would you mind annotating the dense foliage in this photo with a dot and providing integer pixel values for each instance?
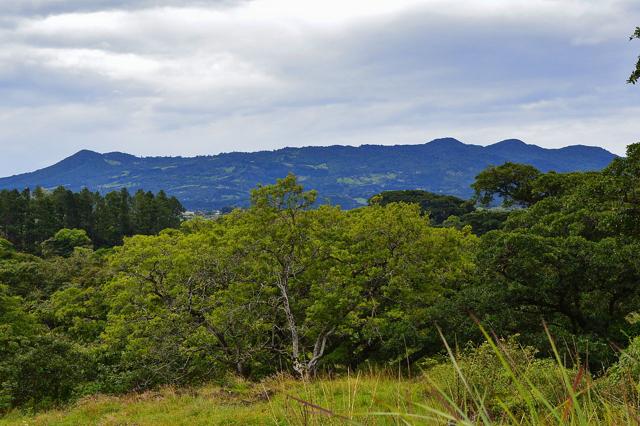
(286, 285)
(446, 210)
(438, 207)
(511, 182)
(29, 219)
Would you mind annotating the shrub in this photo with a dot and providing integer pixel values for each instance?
(43, 372)
(493, 384)
(64, 241)
(622, 380)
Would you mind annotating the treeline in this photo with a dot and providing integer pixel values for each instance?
(29, 218)
(289, 286)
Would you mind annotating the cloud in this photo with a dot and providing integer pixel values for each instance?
(55, 7)
(201, 77)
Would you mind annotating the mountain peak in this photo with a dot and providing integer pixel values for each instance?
(445, 142)
(84, 154)
(79, 159)
(509, 143)
(119, 156)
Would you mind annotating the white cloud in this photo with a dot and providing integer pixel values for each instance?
(200, 77)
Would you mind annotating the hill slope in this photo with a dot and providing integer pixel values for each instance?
(343, 175)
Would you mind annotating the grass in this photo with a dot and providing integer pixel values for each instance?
(280, 401)
(498, 383)
(371, 399)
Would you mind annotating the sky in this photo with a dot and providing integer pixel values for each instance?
(198, 77)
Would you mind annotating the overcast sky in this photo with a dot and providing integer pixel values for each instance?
(201, 77)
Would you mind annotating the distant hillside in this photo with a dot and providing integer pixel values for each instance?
(342, 175)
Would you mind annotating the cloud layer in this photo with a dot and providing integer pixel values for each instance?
(200, 77)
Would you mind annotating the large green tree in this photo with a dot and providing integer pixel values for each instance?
(280, 285)
(569, 260)
(511, 182)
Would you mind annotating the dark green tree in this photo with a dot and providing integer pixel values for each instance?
(143, 213)
(511, 182)
(438, 207)
(569, 260)
(168, 212)
(65, 241)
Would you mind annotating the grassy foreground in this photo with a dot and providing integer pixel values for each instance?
(373, 399)
(281, 401)
(497, 383)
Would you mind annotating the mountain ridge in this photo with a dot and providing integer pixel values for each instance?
(345, 175)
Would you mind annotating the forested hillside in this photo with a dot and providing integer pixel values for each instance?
(293, 286)
(343, 175)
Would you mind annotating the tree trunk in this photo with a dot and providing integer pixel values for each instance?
(293, 329)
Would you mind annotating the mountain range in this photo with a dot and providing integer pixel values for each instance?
(342, 175)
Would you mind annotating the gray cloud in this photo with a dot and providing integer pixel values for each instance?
(157, 78)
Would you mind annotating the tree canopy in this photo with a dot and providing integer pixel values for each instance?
(64, 241)
(511, 182)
